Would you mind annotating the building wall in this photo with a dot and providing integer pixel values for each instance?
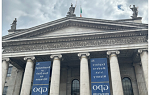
(14, 81)
(63, 81)
(140, 79)
(127, 70)
(73, 73)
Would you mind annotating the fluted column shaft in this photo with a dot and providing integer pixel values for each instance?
(115, 73)
(144, 61)
(55, 78)
(5, 66)
(84, 74)
(27, 79)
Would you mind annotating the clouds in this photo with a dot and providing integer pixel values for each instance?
(30, 13)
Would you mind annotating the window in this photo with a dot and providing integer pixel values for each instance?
(5, 90)
(127, 86)
(9, 71)
(75, 87)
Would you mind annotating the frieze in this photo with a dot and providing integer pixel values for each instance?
(76, 44)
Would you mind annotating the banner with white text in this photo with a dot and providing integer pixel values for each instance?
(41, 78)
(99, 76)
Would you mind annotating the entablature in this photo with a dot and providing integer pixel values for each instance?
(80, 37)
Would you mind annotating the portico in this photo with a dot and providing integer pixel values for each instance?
(70, 61)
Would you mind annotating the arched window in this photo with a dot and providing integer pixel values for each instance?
(127, 86)
(75, 87)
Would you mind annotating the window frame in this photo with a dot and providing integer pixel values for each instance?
(130, 87)
(76, 86)
(5, 90)
(9, 71)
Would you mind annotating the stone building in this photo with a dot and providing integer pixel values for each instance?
(69, 43)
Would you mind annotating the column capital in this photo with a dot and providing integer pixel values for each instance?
(113, 52)
(86, 54)
(6, 59)
(2, 49)
(29, 57)
(141, 50)
(57, 55)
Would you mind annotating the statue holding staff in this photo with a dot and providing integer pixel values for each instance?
(71, 11)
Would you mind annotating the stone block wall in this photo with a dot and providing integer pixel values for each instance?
(14, 81)
(127, 70)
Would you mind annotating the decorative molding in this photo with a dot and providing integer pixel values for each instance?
(76, 44)
(84, 22)
(58, 56)
(113, 52)
(78, 24)
(78, 50)
(74, 38)
(2, 50)
(86, 54)
(29, 57)
(6, 59)
(141, 50)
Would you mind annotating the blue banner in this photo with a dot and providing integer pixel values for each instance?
(41, 78)
(99, 76)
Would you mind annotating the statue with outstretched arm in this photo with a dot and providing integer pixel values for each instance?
(135, 11)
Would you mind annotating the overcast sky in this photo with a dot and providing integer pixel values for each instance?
(31, 13)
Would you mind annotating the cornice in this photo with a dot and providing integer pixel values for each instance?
(81, 22)
(102, 26)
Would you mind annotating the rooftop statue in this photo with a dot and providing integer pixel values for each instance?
(135, 11)
(13, 27)
(71, 11)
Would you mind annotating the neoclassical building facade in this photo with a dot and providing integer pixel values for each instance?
(69, 43)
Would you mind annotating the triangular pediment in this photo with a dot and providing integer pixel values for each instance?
(73, 26)
(71, 30)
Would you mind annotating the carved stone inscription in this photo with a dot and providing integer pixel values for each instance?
(76, 44)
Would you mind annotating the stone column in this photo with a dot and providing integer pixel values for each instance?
(140, 79)
(27, 79)
(144, 61)
(55, 78)
(5, 66)
(115, 73)
(84, 74)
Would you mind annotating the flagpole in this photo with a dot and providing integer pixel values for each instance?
(80, 11)
(76, 4)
